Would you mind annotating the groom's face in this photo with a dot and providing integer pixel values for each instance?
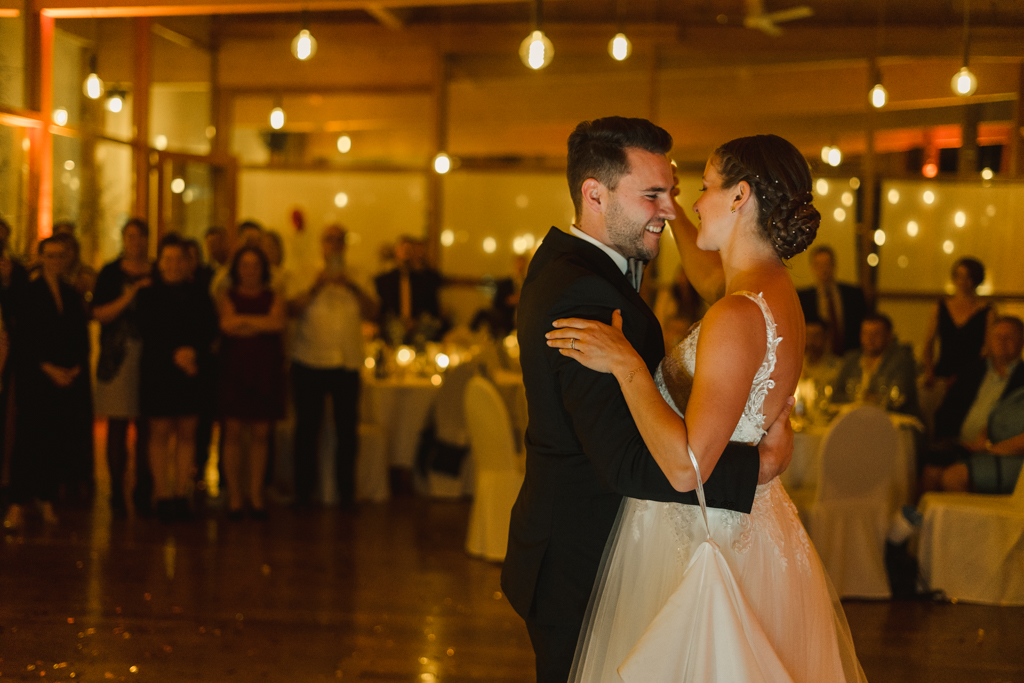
(639, 206)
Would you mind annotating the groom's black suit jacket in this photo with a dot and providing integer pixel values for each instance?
(583, 449)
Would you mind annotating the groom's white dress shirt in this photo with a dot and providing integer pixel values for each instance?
(631, 268)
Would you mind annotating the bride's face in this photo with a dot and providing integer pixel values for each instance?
(714, 210)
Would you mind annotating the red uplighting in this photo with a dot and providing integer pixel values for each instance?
(930, 170)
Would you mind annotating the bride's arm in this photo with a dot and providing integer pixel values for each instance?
(703, 268)
(729, 353)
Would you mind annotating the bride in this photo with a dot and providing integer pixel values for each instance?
(697, 594)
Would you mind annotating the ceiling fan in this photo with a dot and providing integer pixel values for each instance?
(757, 19)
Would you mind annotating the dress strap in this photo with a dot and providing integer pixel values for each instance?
(700, 490)
(754, 410)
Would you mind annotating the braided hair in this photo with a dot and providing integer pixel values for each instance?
(780, 182)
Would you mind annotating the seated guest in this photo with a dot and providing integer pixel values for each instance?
(959, 324)
(838, 305)
(820, 364)
(53, 437)
(251, 374)
(882, 371)
(979, 427)
(500, 318)
(178, 323)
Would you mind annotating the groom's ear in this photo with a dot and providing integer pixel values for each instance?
(595, 195)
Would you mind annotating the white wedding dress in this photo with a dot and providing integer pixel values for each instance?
(687, 594)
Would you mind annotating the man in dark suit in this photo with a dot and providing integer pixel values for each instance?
(584, 452)
(839, 305)
(882, 371)
(962, 456)
(409, 292)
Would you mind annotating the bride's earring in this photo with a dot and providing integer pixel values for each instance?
(732, 210)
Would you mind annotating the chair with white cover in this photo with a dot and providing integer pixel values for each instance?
(849, 514)
(450, 429)
(498, 468)
(972, 546)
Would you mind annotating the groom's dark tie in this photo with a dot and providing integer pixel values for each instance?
(635, 273)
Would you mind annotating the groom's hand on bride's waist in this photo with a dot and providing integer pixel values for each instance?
(776, 447)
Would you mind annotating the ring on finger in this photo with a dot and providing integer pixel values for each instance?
(572, 343)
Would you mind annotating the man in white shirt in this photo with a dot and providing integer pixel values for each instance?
(327, 354)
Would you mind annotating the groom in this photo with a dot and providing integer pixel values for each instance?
(583, 450)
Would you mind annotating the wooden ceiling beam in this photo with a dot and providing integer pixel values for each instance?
(385, 15)
(69, 9)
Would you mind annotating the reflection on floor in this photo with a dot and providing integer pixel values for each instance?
(381, 594)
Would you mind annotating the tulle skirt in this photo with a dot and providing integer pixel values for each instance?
(753, 605)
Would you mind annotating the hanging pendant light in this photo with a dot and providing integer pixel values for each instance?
(93, 86)
(620, 47)
(536, 50)
(964, 82)
(277, 118)
(115, 101)
(878, 96)
(304, 45)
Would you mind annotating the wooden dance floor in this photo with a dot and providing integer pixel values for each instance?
(384, 593)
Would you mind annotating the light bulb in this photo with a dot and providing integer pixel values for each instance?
(879, 96)
(178, 185)
(93, 86)
(879, 237)
(115, 102)
(277, 118)
(620, 47)
(344, 144)
(835, 157)
(303, 45)
(536, 50)
(60, 116)
(964, 83)
(986, 173)
(442, 163)
(824, 153)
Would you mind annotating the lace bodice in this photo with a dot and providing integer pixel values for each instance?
(674, 377)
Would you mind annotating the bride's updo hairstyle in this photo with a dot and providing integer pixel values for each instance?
(780, 182)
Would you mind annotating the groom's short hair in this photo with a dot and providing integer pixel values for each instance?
(597, 149)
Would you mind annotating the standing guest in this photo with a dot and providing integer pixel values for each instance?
(251, 396)
(409, 294)
(882, 371)
(13, 274)
(217, 248)
(327, 355)
(54, 436)
(13, 278)
(250, 233)
(77, 273)
(273, 247)
(115, 306)
(837, 304)
(218, 254)
(199, 272)
(959, 324)
(178, 324)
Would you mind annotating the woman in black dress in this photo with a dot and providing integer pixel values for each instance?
(959, 323)
(115, 306)
(53, 437)
(178, 324)
(251, 397)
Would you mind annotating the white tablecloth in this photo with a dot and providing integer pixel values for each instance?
(401, 407)
(803, 470)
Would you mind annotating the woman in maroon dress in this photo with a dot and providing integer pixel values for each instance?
(251, 396)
